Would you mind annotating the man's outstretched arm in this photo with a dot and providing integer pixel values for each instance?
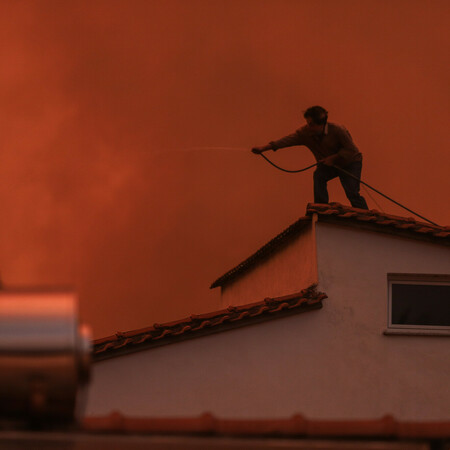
(287, 141)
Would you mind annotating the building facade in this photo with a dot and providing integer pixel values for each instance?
(344, 315)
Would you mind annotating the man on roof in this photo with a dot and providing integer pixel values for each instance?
(333, 147)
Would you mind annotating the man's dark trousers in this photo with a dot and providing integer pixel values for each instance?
(324, 173)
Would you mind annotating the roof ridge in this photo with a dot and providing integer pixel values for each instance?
(335, 208)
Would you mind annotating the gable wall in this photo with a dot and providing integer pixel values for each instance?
(287, 271)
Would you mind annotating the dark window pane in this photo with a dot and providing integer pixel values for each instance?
(420, 304)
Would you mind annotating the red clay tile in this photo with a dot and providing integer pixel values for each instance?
(296, 426)
(183, 330)
(306, 300)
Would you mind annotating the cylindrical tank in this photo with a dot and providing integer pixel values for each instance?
(44, 357)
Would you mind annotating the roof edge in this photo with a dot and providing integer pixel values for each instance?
(295, 426)
(204, 324)
(264, 252)
(375, 220)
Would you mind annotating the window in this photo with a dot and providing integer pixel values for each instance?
(418, 303)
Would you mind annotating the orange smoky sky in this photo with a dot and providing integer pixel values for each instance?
(126, 129)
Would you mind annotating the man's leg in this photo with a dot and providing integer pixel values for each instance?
(351, 185)
(322, 175)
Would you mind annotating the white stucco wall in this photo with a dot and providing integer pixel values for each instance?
(330, 363)
(288, 270)
(408, 376)
(265, 370)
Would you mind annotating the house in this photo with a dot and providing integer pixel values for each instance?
(345, 315)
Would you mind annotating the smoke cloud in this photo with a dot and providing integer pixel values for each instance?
(124, 127)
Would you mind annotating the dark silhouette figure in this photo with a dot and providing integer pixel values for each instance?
(333, 148)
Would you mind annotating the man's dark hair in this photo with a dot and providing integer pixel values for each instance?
(317, 114)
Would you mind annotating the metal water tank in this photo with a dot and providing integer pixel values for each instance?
(44, 357)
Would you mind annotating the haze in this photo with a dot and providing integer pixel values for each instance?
(126, 129)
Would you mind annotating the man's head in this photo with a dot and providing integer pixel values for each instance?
(316, 117)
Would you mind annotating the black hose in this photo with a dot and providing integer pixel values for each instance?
(385, 196)
(286, 170)
(356, 178)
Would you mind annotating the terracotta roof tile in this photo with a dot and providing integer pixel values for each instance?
(347, 216)
(216, 321)
(296, 426)
(339, 211)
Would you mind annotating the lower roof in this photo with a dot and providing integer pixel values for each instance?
(296, 426)
(199, 325)
(211, 432)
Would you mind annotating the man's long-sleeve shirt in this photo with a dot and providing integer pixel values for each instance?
(335, 140)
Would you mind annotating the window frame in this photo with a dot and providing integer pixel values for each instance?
(411, 279)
